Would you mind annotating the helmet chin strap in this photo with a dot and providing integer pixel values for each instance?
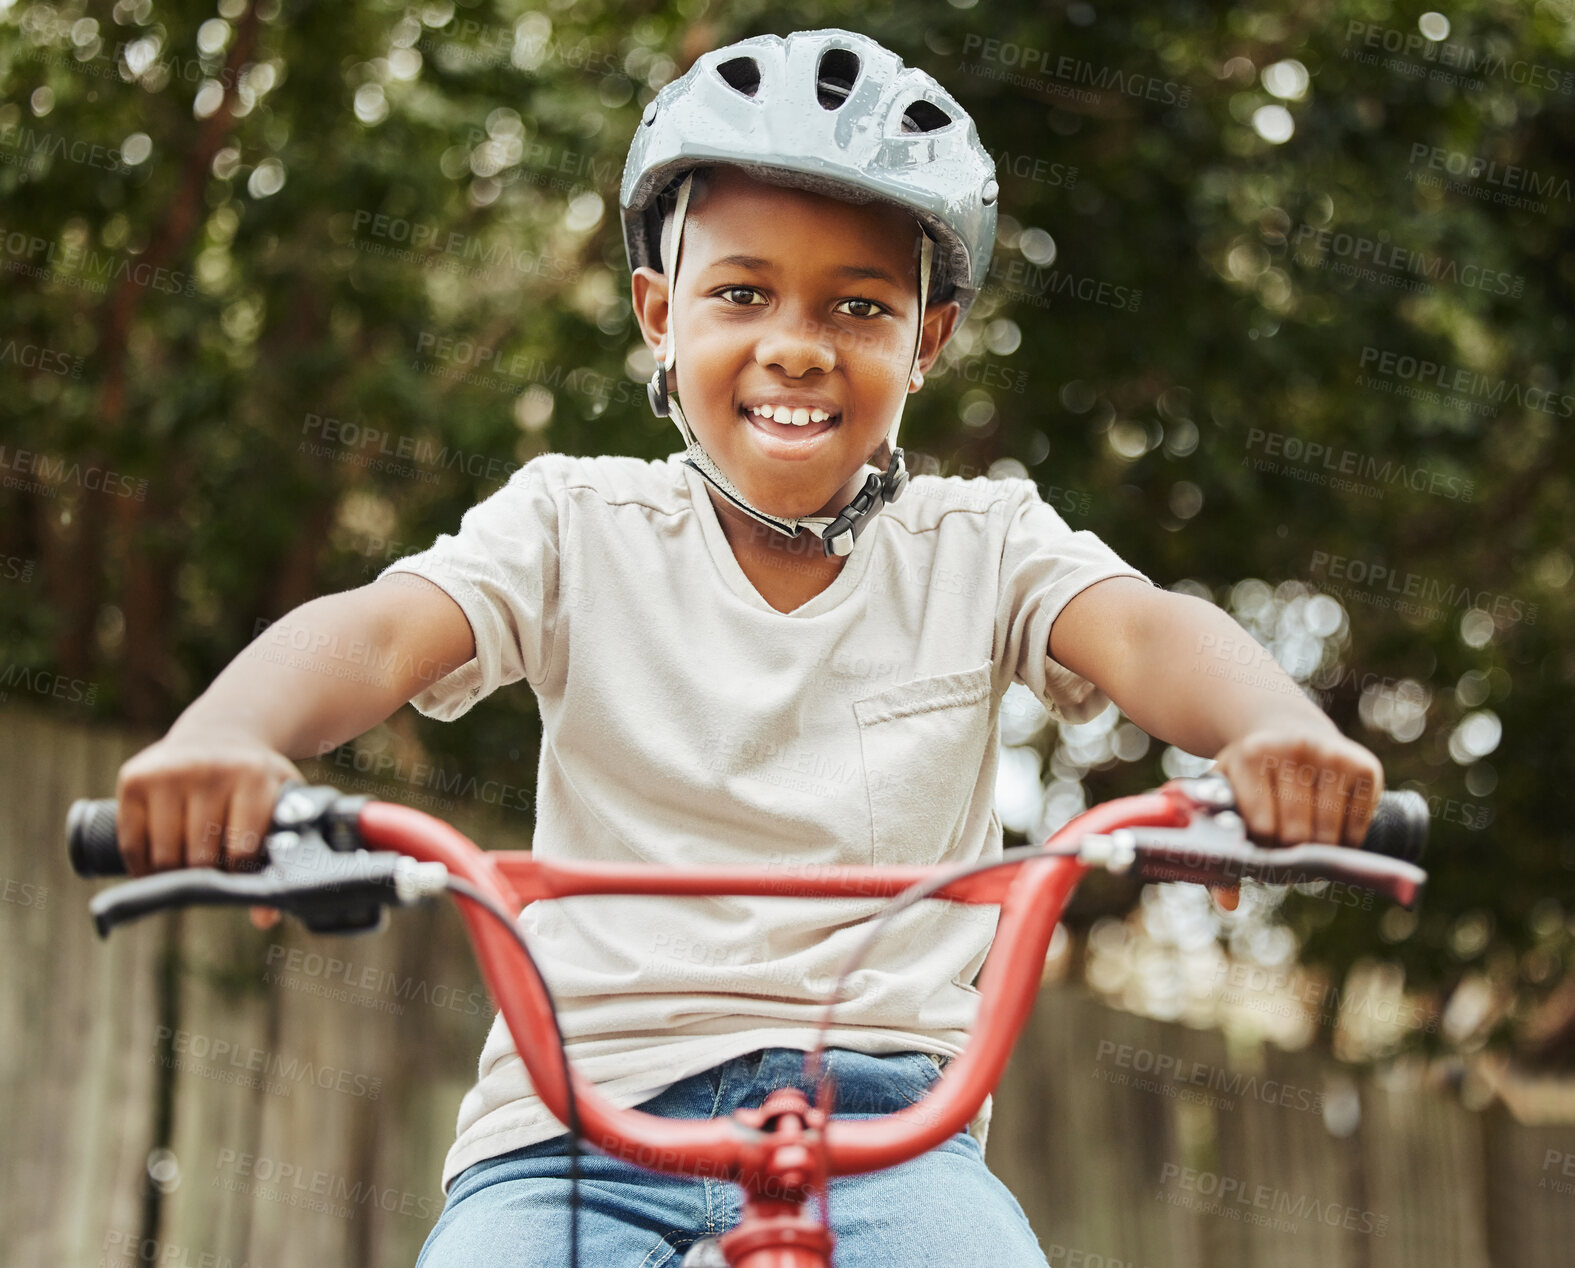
(837, 533)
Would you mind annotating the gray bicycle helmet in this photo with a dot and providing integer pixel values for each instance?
(836, 113)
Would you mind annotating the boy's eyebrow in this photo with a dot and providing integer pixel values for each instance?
(760, 264)
(869, 271)
(753, 262)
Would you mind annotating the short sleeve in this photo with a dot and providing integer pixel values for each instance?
(502, 570)
(1044, 564)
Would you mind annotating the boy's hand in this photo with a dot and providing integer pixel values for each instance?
(200, 797)
(1294, 786)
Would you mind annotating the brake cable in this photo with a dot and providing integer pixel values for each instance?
(464, 889)
(900, 903)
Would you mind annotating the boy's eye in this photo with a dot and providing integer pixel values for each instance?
(731, 294)
(863, 307)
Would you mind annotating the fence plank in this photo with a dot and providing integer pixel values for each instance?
(78, 1115)
(1529, 1192)
(1425, 1153)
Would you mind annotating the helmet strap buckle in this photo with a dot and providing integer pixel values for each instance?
(858, 514)
(656, 392)
(895, 478)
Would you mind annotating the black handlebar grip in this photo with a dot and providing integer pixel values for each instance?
(1399, 826)
(91, 842)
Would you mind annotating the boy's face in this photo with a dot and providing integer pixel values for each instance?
(794, 300)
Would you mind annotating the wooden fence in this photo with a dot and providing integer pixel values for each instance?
(197, 1093)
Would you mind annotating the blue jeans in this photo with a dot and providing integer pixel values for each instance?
(943, 1207)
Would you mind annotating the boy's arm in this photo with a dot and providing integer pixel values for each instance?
(328, 671)
(1188, 674)
(335, 667)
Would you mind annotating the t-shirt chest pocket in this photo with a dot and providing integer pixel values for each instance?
(923, 743)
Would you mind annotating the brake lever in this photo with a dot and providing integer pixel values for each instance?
(1223, 858)
(331, 891)
(1214, 849)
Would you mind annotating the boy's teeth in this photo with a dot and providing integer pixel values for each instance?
(784, 414)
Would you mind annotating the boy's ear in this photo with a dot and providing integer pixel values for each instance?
(939, 323)
(649, 290)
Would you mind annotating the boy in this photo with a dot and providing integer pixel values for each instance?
(807, 222)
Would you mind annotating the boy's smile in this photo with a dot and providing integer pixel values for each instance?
(796, 319)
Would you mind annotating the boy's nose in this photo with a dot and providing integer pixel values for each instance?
(797, 345)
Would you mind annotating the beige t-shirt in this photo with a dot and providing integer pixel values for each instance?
(686, 722)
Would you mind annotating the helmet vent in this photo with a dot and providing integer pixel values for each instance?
(835, 77)
(741, 74)
(925, 116)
